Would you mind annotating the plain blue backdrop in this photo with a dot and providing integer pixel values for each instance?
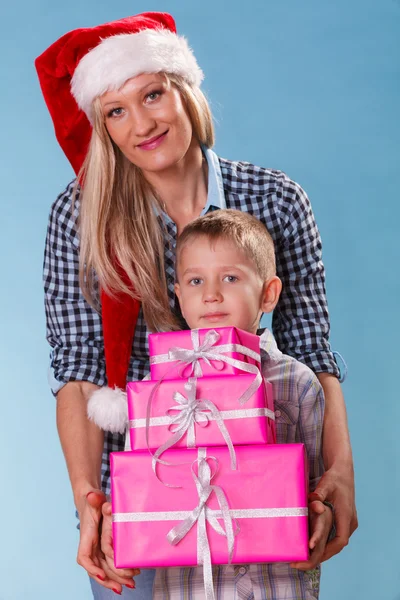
(311, 88)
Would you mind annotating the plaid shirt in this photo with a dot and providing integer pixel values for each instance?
(300, 321)
(299, 413)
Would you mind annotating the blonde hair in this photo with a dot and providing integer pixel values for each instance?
(121, 237)
(246, 232)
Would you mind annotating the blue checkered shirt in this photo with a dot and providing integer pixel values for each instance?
(300, 321)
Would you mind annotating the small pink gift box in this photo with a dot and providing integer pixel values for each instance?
(266, 496)
(203, 352)
(195, 409)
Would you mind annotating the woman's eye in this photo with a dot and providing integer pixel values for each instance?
(195, 281)
(230, 278)
(152, 96)
(115, 112)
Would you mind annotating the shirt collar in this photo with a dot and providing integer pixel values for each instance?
(215, 197)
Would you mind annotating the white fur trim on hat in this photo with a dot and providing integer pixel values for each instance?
(108, 409)
(118, 58)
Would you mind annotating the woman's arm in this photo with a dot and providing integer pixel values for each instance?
(301, 327)
(74, 331)
(337, 484)
(81, 440)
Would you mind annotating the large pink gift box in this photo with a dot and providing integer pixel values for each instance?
(200, 404)
(169, 358)
(266, 496)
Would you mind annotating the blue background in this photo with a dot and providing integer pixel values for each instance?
(308, 87)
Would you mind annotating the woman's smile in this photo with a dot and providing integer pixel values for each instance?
(154, 142)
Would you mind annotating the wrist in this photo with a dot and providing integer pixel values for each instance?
(81, 490)
(342, 468)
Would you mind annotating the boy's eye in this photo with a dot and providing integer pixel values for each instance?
(230, 278)
(195, 281)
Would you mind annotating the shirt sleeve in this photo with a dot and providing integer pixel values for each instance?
(301, 321)
(73, 327)
(310, 424)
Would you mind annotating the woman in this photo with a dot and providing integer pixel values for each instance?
(130, 116)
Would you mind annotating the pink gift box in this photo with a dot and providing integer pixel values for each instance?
(267, 496)
(252, 423)
(160, 344)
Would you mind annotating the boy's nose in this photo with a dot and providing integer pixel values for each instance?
(212, 294)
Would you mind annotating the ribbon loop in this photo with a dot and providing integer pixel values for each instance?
(192, 411)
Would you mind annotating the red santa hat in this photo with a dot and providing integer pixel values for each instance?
(76, 69)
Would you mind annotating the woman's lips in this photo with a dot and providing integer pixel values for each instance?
(153, 142)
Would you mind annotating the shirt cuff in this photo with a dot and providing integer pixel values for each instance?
(325, 362)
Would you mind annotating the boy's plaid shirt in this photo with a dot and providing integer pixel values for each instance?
(300, 321)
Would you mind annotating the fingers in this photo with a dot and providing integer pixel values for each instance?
(106, 532)
(321, 524)
(123, 576)
(116, 578)
(343, 532)
(92, 566)
(316, 507)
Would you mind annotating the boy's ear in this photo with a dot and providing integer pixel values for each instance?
(178, 294)
(270, 295)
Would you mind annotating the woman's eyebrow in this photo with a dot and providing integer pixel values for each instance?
(137, 91)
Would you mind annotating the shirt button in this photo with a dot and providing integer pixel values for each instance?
(242, 570)
(278, 413)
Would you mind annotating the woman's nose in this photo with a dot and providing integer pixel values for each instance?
(142, 123)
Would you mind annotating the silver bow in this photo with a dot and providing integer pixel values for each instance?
(207, 351)
(200, 515)
(191, 358)
(192, 411)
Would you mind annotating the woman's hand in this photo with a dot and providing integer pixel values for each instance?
(90, 554)
(321, 520)
(337, 486)
(107, 549)
(337, 483)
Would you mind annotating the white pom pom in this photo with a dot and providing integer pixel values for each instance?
(108, 408)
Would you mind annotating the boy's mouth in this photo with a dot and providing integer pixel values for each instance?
(214, 316)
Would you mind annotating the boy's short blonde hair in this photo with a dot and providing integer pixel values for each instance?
(246, 232)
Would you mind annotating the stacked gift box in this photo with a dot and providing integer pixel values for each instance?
(204, 482)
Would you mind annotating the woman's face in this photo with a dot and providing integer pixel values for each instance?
(147, 120)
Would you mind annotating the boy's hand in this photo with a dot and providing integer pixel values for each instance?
(321, 520)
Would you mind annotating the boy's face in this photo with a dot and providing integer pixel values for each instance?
(218, 286)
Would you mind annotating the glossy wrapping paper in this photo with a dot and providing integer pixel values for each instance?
(223, 392)
(161, 343)
(268, 477)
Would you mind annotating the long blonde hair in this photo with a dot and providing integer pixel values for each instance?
(119, 229)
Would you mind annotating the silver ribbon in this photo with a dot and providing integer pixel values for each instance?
(207, 351)
(192, 411)
(177, 533)
(240, 413)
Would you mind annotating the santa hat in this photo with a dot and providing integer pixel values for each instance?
(76, 69)
(85, 63)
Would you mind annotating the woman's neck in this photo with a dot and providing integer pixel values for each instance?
(182, 190)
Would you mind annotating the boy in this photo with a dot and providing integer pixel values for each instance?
(225, 265)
